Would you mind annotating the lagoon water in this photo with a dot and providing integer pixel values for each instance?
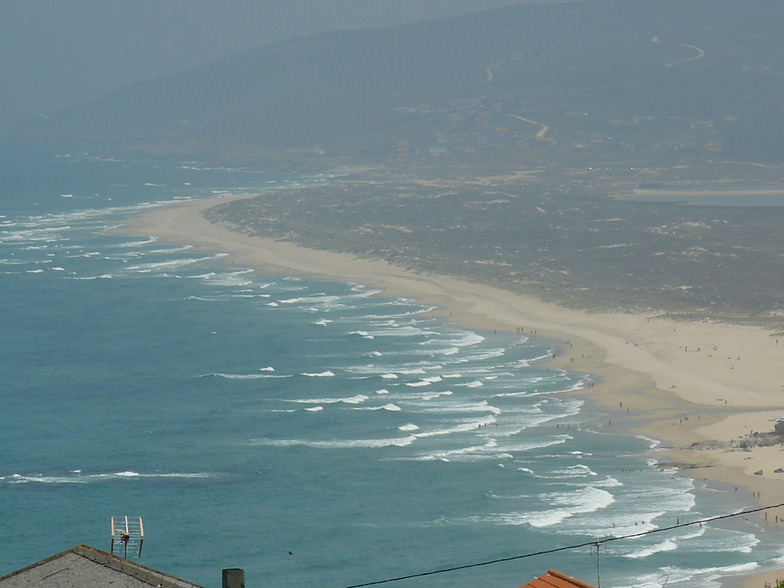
(306, 431)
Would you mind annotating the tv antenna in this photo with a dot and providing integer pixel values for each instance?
(127, 535)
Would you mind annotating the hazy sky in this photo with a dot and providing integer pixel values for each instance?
(56, 53)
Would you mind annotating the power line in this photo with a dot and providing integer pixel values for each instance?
(594, 543)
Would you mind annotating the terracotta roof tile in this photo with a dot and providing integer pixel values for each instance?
(555, 579)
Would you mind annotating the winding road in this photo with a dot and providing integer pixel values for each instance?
(700, 52)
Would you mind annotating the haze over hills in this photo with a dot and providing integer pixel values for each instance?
(498, 141)
(637, 76)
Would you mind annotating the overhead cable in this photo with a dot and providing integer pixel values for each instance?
(592, 543)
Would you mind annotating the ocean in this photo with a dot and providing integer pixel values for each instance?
(307, 431)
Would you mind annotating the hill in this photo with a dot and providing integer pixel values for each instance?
(631, 76)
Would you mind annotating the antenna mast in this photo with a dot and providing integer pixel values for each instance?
(127, 532)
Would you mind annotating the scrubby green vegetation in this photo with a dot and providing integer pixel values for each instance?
(554, 233)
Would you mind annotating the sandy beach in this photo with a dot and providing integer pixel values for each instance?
(694, 386)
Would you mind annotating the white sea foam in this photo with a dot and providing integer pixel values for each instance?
(317, 299)
(125, 257)
(608, 482)
(437, 352)
(253, 376)
(393, 371)
(79, 477)
(483, 355)
(324, 374)
(337, 443)
(172, 249)
(460, 427)
(424, 382)
(362, 291)
(466, 339)
(582, 501)
(14, 261)
(412, 312)
(434, 395)
(518, 421)
(619, 521)
(413, 371)
(487, 451)
(473, 384)
(676, 495)
(724, 540)
(457, 406)
(524, 446)
(692, 578)
(26, 236)
(356, 399)
(391, 407)
(652, 443)
(580, 385)
(137, 244)
(172, 263)
(666, 545)
(235, 279)
(408, 427)
(402, 331)
(578, 470)
(101, 277)
(363, 334)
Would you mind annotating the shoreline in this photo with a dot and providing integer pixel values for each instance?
(693, 386)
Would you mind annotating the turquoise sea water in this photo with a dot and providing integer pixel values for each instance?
(306, 431)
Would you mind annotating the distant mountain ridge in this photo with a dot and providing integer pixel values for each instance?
(720, 61)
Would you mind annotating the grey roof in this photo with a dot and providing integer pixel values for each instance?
(87, 566)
